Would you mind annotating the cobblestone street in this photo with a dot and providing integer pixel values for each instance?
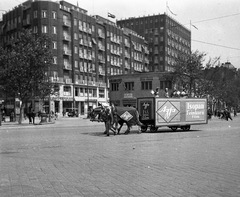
(74, 158)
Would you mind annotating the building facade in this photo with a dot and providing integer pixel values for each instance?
(167, 38)
(86, 51)
(125, 89)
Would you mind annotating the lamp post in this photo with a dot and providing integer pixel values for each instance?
(87, 86)
(1, 101)
(106, 64)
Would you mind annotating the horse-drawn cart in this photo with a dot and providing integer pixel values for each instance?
(171, 112)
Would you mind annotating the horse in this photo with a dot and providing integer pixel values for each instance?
(112, 116)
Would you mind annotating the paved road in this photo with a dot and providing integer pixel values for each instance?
(73, 158)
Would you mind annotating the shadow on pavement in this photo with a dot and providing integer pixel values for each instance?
(171, 131)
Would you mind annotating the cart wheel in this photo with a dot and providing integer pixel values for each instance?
(153, 129)
(186, 128)
(143, 128)
(174, 128)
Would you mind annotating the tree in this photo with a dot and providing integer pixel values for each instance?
(224, 85)
(188, 71)
(25, 68)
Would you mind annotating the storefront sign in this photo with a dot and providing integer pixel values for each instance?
(128, 95)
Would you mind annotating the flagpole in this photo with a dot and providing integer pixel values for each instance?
(166, 8)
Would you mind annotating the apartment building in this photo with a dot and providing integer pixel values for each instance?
(86, 51)
(166, 37)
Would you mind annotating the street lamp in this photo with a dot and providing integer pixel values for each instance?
(1, 102)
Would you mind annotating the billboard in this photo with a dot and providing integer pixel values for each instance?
(180, 111)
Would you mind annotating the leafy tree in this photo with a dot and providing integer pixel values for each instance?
(188, 71)
(224, 85)
(25, 68)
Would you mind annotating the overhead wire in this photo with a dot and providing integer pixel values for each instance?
(217, 18)
(216, 45)
(211, 19)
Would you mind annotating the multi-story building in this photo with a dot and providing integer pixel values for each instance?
(166, 37)
(86, 50)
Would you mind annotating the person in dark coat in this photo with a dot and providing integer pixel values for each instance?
(32, 114)
(29, 117)
(227, 114)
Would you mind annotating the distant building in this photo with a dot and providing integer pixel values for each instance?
(166, 37)
(228, 65)
(86, 49)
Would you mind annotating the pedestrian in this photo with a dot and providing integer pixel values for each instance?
(32, 114)
(227, 114)
(56, 115)
(166, 93)
(235, 112)
(209, 113)
(29, 117)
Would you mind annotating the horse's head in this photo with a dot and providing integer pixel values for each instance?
(95, 113)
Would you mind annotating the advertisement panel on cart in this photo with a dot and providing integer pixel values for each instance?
(180, 111)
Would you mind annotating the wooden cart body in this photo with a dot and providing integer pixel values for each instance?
(172, 112)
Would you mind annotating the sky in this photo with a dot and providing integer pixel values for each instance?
(217, 21)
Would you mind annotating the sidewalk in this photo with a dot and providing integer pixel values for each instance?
(81, 120)
(25, 122)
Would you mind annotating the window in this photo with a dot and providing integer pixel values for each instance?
(161, 85)
(146, 85)
(54, 30)
(35, 29)
(75, 49)
(168, 84)
(94, 92)
(67, 91)
(76, 64)
(81, 92)
(35, 14)
(129, 85)
(44, 13)
(54, 15)
(114, 86)
(44, 29)
(76, 91)
(54, 45)
(75, 36)
(75, 22)
(101, 93)
(54, 60)
(165, 84)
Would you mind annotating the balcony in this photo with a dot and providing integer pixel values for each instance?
(102, 61)
(67, 52)
(102, 72)
(101, 47)
(101, 35)
(67, 81)
(67, 66)
(66, 23)
(127, 44)
(66, 37)
(54, 79)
